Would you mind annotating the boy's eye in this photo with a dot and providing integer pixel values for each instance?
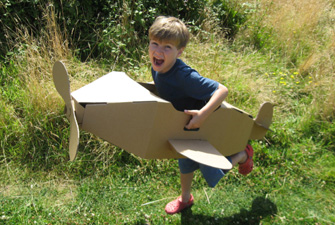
(153, 43)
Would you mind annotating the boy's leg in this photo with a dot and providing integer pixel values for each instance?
(244, 159)
(187, 168)
(186, 199)
(186, 182)
(239, 157)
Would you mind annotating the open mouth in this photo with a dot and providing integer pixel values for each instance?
(158, 62)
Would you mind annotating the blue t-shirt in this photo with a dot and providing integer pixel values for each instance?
(184, 87)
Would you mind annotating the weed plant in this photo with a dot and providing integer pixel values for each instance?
(294, 175)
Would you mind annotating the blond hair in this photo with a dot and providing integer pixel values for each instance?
(169, 29)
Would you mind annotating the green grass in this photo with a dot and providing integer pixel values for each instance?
(277, 193)
(293, 180)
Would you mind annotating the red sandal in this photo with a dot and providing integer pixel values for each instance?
(246, 167)
(177, 205)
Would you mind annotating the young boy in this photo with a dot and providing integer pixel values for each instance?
(189, 92)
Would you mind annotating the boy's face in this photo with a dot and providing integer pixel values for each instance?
(163, 55)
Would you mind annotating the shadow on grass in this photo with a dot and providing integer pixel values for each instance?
(261, 208)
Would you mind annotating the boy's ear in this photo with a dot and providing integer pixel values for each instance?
(180, 51)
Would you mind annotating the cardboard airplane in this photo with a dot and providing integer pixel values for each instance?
(130, 115)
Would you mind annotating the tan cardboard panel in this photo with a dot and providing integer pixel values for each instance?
(264, 116)
(150, 87)
(202, 152)
(113, 87)
(144, 128)
(125, 113)
(74, 136)
(225, 104)
(127, 125)
(61, 81)
(79, 110)
(62, 84)
(262, 121)
(226, 129)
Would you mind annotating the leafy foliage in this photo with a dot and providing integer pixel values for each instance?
(229, 16)
(110, 29)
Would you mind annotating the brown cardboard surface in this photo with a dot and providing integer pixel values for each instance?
(74, 134)
(143, 126)
(112, 88)
(194, 149)
(263, 120)
(125, 113)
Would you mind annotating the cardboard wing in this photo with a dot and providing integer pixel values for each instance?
(129, 115)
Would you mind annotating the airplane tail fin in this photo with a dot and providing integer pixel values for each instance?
(262, 121)
(62, 84)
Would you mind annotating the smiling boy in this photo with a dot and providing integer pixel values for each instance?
(189, 92)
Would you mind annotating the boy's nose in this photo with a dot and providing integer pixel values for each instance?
(160, 49)
(158, 52)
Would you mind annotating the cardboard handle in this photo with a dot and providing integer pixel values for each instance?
(196, 129)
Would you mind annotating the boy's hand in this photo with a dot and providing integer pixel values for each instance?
(197, 119)
(199, 116)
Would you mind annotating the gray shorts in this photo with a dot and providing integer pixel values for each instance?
(212, 175)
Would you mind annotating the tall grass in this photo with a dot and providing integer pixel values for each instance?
(32, 125)
(299, 35)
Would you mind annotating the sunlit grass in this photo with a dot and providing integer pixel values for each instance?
(300, 36)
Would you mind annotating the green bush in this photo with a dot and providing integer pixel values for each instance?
(107, 29)
(230, 16)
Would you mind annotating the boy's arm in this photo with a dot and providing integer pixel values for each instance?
(199, 116)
